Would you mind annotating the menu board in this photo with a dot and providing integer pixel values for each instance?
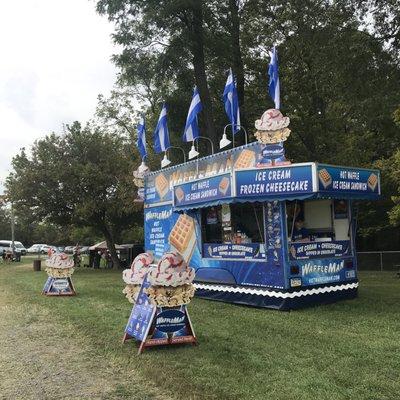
(158, 225)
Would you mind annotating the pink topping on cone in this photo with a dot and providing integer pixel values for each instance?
(172, 270)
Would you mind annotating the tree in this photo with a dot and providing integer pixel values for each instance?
(81, 178)
(391, 170)
(383, 17)
(165, 33)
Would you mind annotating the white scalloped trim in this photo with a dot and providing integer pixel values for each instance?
(271, 293)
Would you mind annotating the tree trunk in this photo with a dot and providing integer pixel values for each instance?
(237, 62)
(111, 247)
(197, 48)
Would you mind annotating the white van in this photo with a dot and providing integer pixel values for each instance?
(7, 244)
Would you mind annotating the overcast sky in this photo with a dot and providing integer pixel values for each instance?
(55, 61)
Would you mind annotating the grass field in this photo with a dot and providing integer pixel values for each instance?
(348, 350)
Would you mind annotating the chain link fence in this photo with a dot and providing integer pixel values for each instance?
(378, 260)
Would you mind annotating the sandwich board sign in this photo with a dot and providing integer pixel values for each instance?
(59, 287)
(152, 326)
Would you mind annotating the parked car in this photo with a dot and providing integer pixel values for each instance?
(6, 250)
(36, 248)
(45, 249)
(69, 249)
(84, 250)
(61, 249)
(19, 247)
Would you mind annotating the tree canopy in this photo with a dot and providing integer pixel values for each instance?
(81, 178)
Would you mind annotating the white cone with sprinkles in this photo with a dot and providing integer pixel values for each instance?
(133, 277)
(171, 281)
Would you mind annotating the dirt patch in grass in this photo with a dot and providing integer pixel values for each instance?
(41, 358)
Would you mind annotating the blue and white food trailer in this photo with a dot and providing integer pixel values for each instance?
(232, 216)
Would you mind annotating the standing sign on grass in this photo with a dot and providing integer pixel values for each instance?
(155, 326)
(58, 287)
(141, 316)
(59, 268)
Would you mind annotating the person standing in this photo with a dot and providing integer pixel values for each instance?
(77, 257)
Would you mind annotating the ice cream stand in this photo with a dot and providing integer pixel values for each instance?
(232, 215)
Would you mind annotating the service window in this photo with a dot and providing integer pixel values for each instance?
(247, 223)
(316, 222)
(211, 224)
(233, 231)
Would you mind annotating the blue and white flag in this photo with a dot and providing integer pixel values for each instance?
(161, 134)
(273, 71)
(141, 141)
(231, 102)
(192, 128)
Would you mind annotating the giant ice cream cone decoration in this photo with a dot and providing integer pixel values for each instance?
(171, 281)
(59, 265)
(138, 175)
(133, 277)
(272, 127)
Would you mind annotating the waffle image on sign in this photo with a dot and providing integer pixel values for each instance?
(179, 194)
(224, 185)
(324, 178)
(162, 185)
(372, 181)
(246, 159)
(182, 236)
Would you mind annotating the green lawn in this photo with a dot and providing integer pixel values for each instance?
(348, 350)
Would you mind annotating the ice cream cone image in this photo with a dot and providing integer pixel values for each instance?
(171, 281)
(133, 277)
(272, 127)
(59, 265)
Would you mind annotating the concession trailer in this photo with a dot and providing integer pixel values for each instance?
(234, 215)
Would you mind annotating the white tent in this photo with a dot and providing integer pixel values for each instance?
(103, 246)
